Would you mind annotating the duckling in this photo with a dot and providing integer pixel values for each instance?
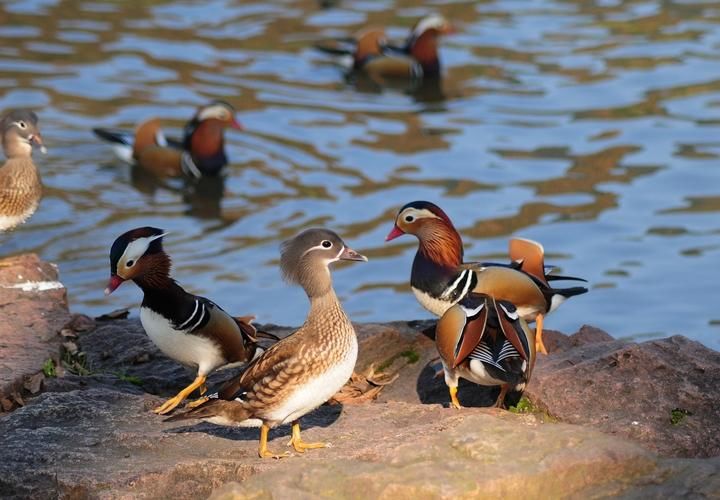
(303, 370)
(440, 278)
(487, 342)
(190, 329)
(20, 185)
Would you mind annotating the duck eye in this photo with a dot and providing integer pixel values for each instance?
(409, 218)
(326, 244)
(22, 125)
(130, 263)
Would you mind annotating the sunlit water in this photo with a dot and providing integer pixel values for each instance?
(593, 127)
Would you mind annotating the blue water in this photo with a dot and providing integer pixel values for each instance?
(593, 127)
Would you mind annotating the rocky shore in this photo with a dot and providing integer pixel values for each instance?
(603, 417)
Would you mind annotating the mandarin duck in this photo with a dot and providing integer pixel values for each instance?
(485, 341)
(190, 329)
(200, 153)
(303, 370)
(20, 186)
(368, 51)
(440, 278)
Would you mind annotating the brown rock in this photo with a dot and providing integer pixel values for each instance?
(631, 390)
(95, 436)
(34, 309)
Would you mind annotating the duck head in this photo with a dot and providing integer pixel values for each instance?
(439, 240)
(20, 132)
(138, 255)
(305, 259)
(422, 44)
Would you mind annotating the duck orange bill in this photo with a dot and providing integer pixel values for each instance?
(236, 124)
(396, 231)
(114, 282)
(350, 254)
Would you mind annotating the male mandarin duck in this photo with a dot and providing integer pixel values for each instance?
(20, 186)
(487, 342)
(200, 153)
(190, 329)
(416, 58)
(303, 370)
(440, 278)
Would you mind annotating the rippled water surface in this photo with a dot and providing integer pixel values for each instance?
(593, 127)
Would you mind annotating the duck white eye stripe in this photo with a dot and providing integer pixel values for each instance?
(197, 304)
(212, 112)
(138, 247)
(320, 247)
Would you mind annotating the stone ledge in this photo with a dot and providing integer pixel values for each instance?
(33, 304)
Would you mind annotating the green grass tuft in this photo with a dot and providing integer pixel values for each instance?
(677, 415)
(526, 407)
(411, 356)
(48, 368)
(129, 378)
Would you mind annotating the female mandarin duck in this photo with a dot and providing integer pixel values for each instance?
(201, 152)
(487, 342)
(20, 186)
(439, 278)
(187, 328)
(303, 370)
(416, 58)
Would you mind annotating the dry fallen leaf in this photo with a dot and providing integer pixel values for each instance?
(81, 323)
(113, 315)
(33, 383)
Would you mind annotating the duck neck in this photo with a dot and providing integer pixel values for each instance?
(439, 255)
(156, 279)
(16, 148)
(207, 145)
(424, 49)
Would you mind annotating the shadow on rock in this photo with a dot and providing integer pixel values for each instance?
(431, 389)
(324, 416)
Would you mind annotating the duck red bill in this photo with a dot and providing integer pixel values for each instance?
(396, 231)
(114, 282)
(236, 124)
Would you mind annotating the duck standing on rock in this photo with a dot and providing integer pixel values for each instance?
(370, 53)
(20, 186)
(200, 153)
(487, 342)
(303, 370)
(440, 278)
(187, 328)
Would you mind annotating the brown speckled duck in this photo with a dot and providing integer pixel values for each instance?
(200, 153)
(440, 278)
(485, 341)
(188, 328)
(303, 370)
(369, 52)
(20, 186)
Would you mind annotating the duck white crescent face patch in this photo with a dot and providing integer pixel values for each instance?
(137, 248)
(217, 111)
(432, 21)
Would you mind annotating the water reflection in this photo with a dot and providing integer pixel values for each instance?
(590, 126)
